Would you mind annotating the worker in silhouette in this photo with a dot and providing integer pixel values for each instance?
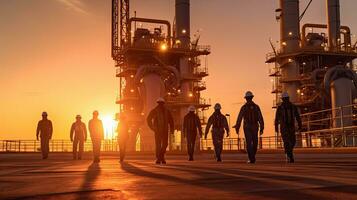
(44, 131)
(123, 136)
(253, 122)
(78, 135)
(161, 122)
(97, 135)
(219, 124)
(285, 117)
(191, 126)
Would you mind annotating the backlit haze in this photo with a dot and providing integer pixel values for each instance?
(55, 56)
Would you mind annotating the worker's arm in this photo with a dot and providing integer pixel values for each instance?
(239, 119)
(171, 122)
(149, 120)
(225, 123)
(277, 120)
(208, 126)
(85, 131)
(51, 129)
(199, 125)
(38, 130)
(298, 118)
(184, 131)
(261, 120)
(71, 132)
(101, 129)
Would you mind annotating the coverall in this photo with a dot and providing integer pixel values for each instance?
(285, 116)
(219, 123)
(97, 135)
(191, 125)
(44, 130)
(78, 136)
(161, 122)
(253, 121)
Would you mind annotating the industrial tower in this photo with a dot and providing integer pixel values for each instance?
(315, 65)
(155, 59)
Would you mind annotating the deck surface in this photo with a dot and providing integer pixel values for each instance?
(313, 176)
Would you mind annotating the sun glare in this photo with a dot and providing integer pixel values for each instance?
(109, 125)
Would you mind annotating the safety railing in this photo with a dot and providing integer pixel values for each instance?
(327, 140)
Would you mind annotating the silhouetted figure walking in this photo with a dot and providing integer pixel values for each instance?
(97, 135)
(219, 123)
(44, 130)
(78, 136)
(161, 122)
(285, 116)
(253, 121)
(191, 125)
(123, 136)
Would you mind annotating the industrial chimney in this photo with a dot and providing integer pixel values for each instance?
(333, 23)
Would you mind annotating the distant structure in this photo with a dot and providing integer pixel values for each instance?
(315, 65)
(156, 59)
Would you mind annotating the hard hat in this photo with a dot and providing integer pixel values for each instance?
(160, 100)
(44, 113)
(95, 112)
(217, 106)
(191, 109)
(285, 95)
(248, 94)
(78, 116)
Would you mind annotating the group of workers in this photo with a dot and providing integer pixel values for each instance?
(161, 122)
(78, 135)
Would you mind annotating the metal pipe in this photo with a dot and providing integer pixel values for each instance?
(345, 30)
(289, 25)
(182, 11)
(152, 21)
(333, 23)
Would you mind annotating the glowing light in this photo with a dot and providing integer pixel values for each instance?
(304, 63)
(177, 42)
(190, 95)
(290, 60)
(142, 114)
(184, 31)
(131, 108)
(283, 43)
(132, 90)
(132, 76)
(290, 33)
(163, 47)
(109, 126)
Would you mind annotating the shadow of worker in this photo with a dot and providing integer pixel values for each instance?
(88, 184)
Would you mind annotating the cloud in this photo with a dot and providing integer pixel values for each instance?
(75, 5)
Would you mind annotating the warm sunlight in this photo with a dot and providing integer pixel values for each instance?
(109, 125)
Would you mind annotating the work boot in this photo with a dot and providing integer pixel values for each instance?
(219, 159)
(191, 158)
(158, 162)
(251, 162)
(163, 161)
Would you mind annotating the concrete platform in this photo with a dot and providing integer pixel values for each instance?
(314, 176)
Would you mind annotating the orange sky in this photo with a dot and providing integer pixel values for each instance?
(55, 56)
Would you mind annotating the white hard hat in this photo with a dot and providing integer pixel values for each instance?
(160, 100)
(285, 95)
(191, 109)
(217, 106)
(248, 94)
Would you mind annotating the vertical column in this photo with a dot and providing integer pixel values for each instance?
(333, 23)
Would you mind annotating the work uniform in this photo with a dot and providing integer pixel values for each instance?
(285, 116)
(97, 134)
(78, 136)
(219, 123)
(123, 136)
(160, 120)
(191, 125)
(253, 120)
(44, 130)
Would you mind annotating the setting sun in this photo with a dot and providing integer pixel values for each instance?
(109, 125)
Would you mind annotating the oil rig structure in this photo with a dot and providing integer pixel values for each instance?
(155, 58)
(314, 65)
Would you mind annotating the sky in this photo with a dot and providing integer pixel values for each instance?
(55, 56)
